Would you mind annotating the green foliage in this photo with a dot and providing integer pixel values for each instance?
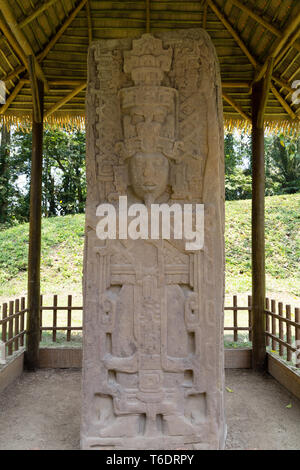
(63, 240)
(282, 156)
(64, 185)
(282, 165)
(237, 163)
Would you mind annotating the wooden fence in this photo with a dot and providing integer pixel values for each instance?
(282, 331)
(13, 326)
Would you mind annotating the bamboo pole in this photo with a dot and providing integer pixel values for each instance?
(21, 38)
(34, 255)
(36, 13)
(65, 100)
(258, 232)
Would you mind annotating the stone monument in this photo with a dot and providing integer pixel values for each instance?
(153, 367)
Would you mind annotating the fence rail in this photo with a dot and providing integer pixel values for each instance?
(12, 324)
(282, 325)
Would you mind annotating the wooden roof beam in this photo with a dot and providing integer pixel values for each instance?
(236, 107)
(294, 24)
(265, 94)
(36, 13)
(20, 37)
(258, 17)
(283, 103)
(204, 19)
(244, 48)
(148, 25)
(233, 32)
(65, 100)
(12, 41)
(288, 46)
(89, 19)
(61, 31)
(12, 96)
(41, 56)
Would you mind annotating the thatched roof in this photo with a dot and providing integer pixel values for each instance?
(246, 34)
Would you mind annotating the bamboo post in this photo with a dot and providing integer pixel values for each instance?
(258, 232)
(250, 317)
(34, 255)
(41, 317)
(288, 333)
(54, 318)
(235, 319)
(273, 310)
(69, 317)
(297, 336)
(10, 328)
(22, 327)
(4, 324)
(17, 324)
(281, 334)
(268, 330)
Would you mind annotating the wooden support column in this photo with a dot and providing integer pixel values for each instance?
(258, 229)
(34, 256)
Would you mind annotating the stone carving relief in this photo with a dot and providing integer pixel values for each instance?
(153, 358)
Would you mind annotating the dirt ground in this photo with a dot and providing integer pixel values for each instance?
(42, 411)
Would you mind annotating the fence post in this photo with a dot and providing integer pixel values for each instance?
(273, 310)
(69, 317)
(10, 327)
(54, 318)
(281, 334)
(297, 336)
(288, 333)
(17, 324)
(250, 316)
(22, 326)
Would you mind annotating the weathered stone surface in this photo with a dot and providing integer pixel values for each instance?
(153, 320)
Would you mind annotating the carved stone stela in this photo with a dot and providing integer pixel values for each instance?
(153, 371)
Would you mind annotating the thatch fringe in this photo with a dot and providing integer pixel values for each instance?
(24, 122)
(286, 127)
(72, 122)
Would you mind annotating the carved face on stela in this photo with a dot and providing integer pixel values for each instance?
(149, 119)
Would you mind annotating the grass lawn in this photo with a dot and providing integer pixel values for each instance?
(63, 240)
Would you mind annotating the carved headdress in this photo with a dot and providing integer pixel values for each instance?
(149, 109)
